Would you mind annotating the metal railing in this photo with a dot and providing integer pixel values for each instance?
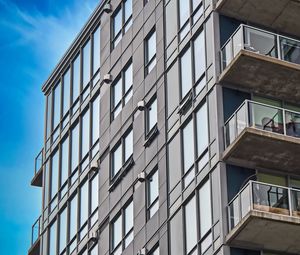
(35, 231)
(263, 117)
(263, 197)
(262, 42)
(38, 162)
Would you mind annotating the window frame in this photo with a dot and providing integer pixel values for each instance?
(148, 130)
(148, 62)
(150, 205)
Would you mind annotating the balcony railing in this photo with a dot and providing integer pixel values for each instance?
(263, 117)
(263, 197)
(35, 232)
(38, 162)
(261, 42)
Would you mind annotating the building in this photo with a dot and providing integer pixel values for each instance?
(172, 127)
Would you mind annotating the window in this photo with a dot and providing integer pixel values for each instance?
(84, 209)
(122, 153)
(66, 91)
(56, 105)
(155, 251)
(153, 194)
(73, 222)
(75, 147)
(151, 115)
(96, 51)
(189, 12)
(86, 64)
(192, 67)
(64, 161)
(190, 216)
(122, 90)
(52, 239)
(94, 193)
(54, 174)
(94, 250)
(85, 134)
(122, 230)
(202, 129)
(62, 230)
(96, 120)
(150, 52)
(49, 122)
(122, 21)
(76, 78)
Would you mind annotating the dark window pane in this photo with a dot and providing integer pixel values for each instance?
(117, 92)
(186, 73)
(76, 78)
(75, 147)
(85, 133)
(67, 81)
(202, 129)
(49, 104)
(117, 160)
(86, 63)
(54, 173)
(96, 52)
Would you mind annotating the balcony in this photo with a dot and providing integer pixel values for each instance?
(280, 15)
(35, 238)
(265, 216)
(263, 136)
(38, 170)
(262, 62)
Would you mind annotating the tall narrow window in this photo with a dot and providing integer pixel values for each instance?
(66, 91)
(150, 52)
(153, 194)
(86, 64)
(96, 50)
(96, 120)
(84, 203)
(73, 217)
(202, 129)
(122, 90)
(85, 134)
(56, 105)
(94, 250)
(116, 160)
(64, 161)
(190, 225)
(76, 78)
(94, 193)
(62, 230)
(49, 120)
(75, 147)
(128, 141)
(188, 146)
(205, 209)
(151, 115)
(52, 239)
(54, 173)
(186, 72)
(122, 230)
(155, 251)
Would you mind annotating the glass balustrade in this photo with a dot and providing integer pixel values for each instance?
(261, 42)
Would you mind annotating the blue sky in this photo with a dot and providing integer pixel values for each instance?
(34, 34)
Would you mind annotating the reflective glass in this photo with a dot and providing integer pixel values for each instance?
(85, 133)
(128, 218)
(49, 103)
(73, 216)
(190, 225)
(56, 105)
(66, 88)
(54, 173)
(128, 78)
(86, 65)
(186, 73)
(151, 46)
(52, 239)
(96, 119)
(128, 9)
(184, 11)
(64, 160)
(117, 92)
(75, 147)
(96, 50)
(117, 160)
(199, 51)
(63, 230)
(117, 22)
(205, 208)
(76, 78)
(188, 146)
(84, 203)
(94, 251)
(94, 193)
(153, 187)
(202, 129)
(152, 115)
(117, 231)
(128, 145)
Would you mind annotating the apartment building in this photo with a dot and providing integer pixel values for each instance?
(172, 127)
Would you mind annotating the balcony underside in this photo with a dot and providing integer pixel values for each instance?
(35, 248)
(281, 15)
(264, 75)
(255, 148)
(266, 231)
(38, 179)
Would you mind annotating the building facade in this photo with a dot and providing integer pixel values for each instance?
(172, 127)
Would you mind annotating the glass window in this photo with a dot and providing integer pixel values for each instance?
(46, 189)
(84, 203)
(54, 173)
(64, 160)
(94, 193)
(96, 119)
(86, 65)
(186, 72)
(116, 160)
(205, 208)
(153, 193)
(174, 160)
(85, 133)
(76, 78)
(128, 145)
(66, 91)
(56, 105)
(190, 225)
(176, 234)
(184, 11)
(49, 103)
(62, 230)
(188, 146)
(122, 233)
(52, 239)
(122, 90)
(75, 147)
(202, 129)
(94, 250)
(151, 115)
(150, 51)
(122, 21)
(73, 217)
(199, 56)
(155, 251)
(96, 50)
